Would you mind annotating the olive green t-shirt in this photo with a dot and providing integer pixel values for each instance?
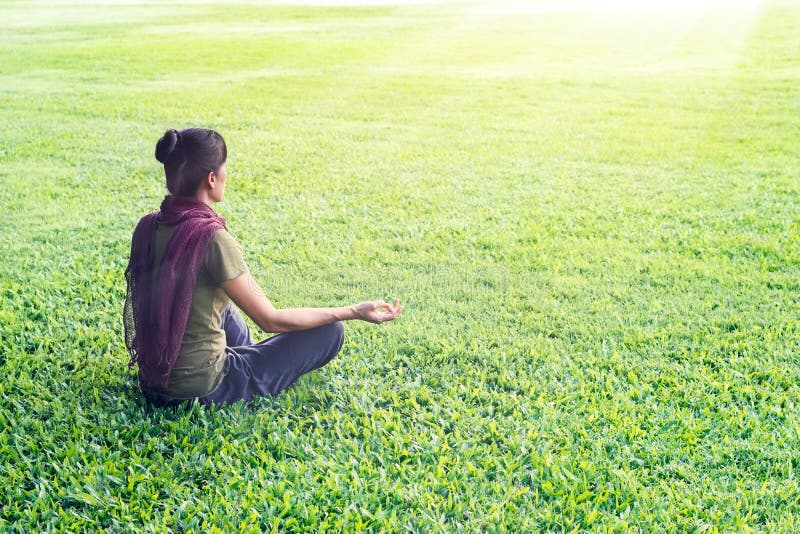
(201, 360)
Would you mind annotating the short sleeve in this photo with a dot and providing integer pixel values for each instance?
(224, 258)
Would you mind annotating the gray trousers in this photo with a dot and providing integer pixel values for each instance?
(269, 366)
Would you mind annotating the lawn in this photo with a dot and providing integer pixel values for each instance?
(590, 213)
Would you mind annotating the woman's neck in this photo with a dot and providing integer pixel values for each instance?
(203, 196)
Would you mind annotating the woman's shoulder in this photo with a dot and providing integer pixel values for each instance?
(223, 243)
(223, 236)
(224, 258)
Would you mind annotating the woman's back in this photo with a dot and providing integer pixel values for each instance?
(198, 369)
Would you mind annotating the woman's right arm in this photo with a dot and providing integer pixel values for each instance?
(248, 297)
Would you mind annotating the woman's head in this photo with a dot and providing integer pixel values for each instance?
(192, 158)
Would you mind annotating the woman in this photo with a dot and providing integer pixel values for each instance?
(184, 271)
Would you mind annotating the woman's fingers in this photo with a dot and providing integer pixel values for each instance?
(394, 309)
(383, 304)
(381, 311)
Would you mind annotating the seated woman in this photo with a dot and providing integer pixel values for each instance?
(185, 268)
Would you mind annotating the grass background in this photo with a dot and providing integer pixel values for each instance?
(590, 215)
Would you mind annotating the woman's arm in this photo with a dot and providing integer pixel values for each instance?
(248, 296)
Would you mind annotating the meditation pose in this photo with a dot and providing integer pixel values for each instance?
(185, 268)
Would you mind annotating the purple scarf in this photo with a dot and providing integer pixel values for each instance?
(156, 310)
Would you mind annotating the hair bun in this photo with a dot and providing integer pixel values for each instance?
(169, 144)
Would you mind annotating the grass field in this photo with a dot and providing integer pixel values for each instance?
(591, 216)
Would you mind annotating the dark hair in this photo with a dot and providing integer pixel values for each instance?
(188, 156)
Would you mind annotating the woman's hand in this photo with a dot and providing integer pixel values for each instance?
(373, 311)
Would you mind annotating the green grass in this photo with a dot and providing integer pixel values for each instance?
(591, 218)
